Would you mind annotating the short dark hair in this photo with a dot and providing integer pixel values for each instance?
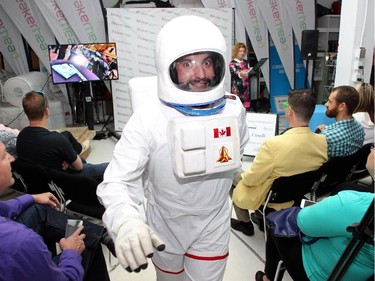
(349, 95)
(302, 102)
(35, 104)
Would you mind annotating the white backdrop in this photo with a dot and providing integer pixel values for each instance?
(135, 31)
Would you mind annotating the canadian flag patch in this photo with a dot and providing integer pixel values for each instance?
(222, 132)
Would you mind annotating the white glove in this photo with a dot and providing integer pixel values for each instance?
(135, 243)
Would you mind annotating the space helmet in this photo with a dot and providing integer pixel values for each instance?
(190, 60)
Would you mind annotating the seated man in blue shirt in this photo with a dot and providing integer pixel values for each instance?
(50, 149)
(346, 135)
(24, 254)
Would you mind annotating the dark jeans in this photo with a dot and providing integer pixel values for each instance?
(50, 224)
(289, 250)
(91, 170)
(95, 171)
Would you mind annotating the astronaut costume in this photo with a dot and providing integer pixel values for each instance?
(180, 153)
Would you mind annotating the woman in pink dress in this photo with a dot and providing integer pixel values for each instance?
(239, 70)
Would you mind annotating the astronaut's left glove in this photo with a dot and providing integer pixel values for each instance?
(135, 243)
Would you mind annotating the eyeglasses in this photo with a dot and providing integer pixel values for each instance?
(286, 105)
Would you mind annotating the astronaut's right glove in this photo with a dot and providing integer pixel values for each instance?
(135, 243)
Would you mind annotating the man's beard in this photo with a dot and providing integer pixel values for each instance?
(196, 85)
(332, 113)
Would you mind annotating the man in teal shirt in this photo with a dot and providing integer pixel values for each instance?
(346, 135)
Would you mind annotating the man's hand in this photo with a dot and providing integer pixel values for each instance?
(46, 199)
(320, 128)
(135, 243)
(74, 241)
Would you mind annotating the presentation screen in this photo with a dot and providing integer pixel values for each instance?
(83, 62)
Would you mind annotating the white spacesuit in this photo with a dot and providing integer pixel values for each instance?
(181, 153)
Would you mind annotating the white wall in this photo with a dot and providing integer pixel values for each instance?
(356, 30)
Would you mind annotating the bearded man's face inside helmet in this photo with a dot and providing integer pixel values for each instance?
(196, 72)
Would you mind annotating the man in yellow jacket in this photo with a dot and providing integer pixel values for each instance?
(296, 151)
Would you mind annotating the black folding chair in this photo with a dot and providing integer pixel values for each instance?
(285, 189)
(363, 232)
(359, 170)
(31, 178)
(76, 193)
(335, 171)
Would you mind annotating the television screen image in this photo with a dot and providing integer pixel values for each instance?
(83, 62)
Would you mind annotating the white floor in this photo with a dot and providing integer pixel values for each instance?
(246, 254)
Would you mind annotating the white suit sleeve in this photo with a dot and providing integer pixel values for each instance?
(243, 132)
(121, 191)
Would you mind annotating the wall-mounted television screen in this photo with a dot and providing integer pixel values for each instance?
(83, 62)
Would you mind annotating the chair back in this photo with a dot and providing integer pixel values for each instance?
(81, 191)
(294, 187)
(78, 191)
(362, 232)
(288, 188)
(335, 171)
(359, 170)
(77, 188)
(34, 178)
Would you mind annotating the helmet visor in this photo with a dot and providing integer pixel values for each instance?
(198, 72)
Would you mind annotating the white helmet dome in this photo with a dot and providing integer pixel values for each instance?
(187, 43)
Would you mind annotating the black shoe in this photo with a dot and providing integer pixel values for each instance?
(107, 241)
(246, 228)
(258, 221)
(259, 276)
